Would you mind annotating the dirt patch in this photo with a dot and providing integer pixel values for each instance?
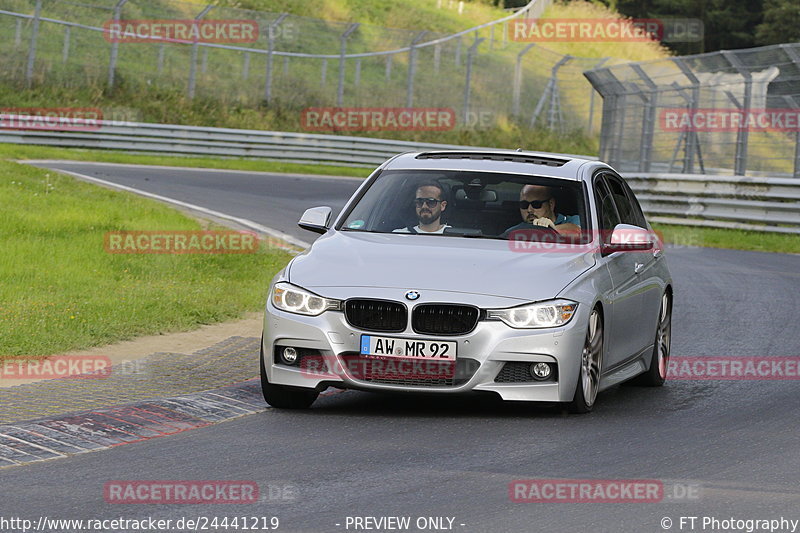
(185, 342)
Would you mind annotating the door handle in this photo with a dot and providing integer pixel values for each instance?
(637, 267)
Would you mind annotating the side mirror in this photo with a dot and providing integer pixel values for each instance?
(316, 219)
(629, 238)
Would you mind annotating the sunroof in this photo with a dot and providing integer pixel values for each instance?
(495, 156)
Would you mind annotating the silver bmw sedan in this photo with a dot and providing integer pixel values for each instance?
(532, 276)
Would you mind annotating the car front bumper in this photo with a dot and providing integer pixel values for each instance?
(488, 347)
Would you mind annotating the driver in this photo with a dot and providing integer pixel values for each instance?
(429, 205)
(538, 209)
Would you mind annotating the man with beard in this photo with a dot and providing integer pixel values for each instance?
(538, 209)
(430, 205)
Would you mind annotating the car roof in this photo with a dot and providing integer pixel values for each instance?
(506, 161)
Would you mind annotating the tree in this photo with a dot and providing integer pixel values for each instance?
(781, 22)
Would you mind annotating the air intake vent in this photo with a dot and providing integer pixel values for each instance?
(444, 319)
(495, 156)
(376, 315)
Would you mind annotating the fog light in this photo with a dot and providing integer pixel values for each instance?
(289, 355)
(540, 370)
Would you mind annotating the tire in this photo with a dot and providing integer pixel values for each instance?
(591, 365)
(659, 361)
(281, 396)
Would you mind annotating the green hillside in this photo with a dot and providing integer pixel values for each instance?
(230, 87)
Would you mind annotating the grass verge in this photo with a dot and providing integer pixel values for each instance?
(757, 241)
(62, 291)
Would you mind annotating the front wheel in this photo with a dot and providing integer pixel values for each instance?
(284, 397)
(591, 364)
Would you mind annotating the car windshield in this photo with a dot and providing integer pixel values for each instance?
(466, 204)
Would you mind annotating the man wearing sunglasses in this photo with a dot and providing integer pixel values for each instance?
(429, 205)
(538, 209)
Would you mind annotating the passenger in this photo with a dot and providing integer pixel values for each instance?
(430, 205)
(538, 209)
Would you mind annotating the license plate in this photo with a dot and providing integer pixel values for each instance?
(410, 348)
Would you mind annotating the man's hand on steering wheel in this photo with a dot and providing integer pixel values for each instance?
(545, 222)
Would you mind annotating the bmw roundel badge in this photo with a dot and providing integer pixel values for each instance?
(412, 295)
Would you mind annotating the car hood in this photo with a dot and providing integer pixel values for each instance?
(431, 262)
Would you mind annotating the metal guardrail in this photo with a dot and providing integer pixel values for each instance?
(769, 204)
(733, 202)
(200, 141)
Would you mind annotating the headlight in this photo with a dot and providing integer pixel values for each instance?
(538, 315)
(287, 297)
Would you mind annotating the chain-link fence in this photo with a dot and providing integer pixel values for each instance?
(729, 112)
(295, 62)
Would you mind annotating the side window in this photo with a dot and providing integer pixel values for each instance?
(629, 210)
(637, 209)
(607, 211)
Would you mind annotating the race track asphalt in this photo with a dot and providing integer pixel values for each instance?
(732, 445)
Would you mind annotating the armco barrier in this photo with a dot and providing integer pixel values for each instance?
(200, 141)
(759, 203)
(741, 202)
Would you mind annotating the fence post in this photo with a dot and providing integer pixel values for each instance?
(357, 79)
(161, 57)
(342, 53)
(437, 57)
(743, 133)
(324, 72)
(591, 95)
(648, 119)
(388, 67)
(246, 66)
(613, 92)
(112, 62)
(690, 138)
(796, 173)
(18, 33)
(412, 67)
(193, 59)
(470, 56)
(517, 88)
(270, 50)
(65, 50)
(793, 104)
(32, 48)
(795, 57)
(550, 92)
